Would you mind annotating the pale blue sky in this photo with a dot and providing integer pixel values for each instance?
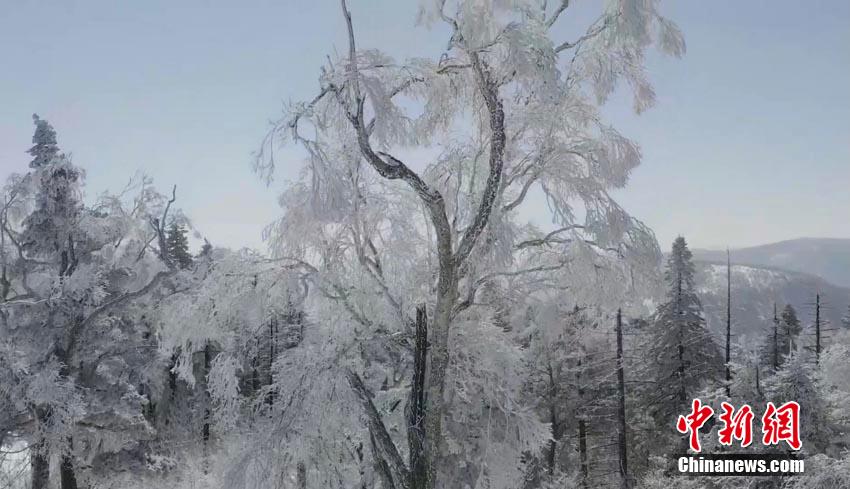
(749, 142)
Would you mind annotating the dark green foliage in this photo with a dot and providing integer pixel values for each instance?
(178, 245)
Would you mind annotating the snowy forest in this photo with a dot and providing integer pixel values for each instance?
(406, 327)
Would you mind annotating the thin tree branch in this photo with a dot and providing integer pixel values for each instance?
(563, 6)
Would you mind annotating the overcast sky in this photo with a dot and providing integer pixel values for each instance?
(749, 142)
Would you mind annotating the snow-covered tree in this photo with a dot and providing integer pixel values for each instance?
(682, 349)
(45, 148)
(506, 110)
(834, 378)
(796, 381)
(72, 340)
(178, 245)
(790, 328)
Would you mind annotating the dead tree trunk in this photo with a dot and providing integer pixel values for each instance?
(557, 430)
(582, 430)
(621, 406)
(415, 409)
(817, 329)
(273, 329)
(206, 426)
(775, 339)
(728, 320)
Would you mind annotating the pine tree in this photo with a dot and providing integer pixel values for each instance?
(845, 320)
(795, 381)
(178, 245)
(51, 230)
(44, 148)
(682, 348)
(790, 330)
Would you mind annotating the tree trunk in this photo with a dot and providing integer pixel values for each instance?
(728, 320)
(206, 426)
(66, 473)
(415, 409)
(39, 466)
(387, 461)
(621, 406)
(435, 379)
(817, 329)
(582, 430)
(273, 329)
(683, 394)
(582, 451)
(553, 421)
(775, 339)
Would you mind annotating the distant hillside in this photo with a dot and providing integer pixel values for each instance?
(754, 291)
(828, 258)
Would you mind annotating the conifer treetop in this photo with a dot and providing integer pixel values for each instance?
(44, 148)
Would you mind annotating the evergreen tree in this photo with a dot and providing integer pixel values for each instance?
(845, 320)
(178, 245)
(206, 249)
(683, 351)
(51, 231)
(44, 148)
(795, 381)
(790, 329)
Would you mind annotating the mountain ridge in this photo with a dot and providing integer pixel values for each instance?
(827, 258)
(756, 289)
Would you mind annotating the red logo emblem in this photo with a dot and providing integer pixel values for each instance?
(778, 424)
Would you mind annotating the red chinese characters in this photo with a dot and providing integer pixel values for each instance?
(778, 424)
(736, 426)
(694, 421)
(782, 424)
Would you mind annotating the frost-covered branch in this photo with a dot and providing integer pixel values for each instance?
(594, 31)
(385, 449)
(77, 329)
(489, 90)
(557, 13)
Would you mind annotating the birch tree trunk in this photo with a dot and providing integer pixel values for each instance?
(435, 378)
